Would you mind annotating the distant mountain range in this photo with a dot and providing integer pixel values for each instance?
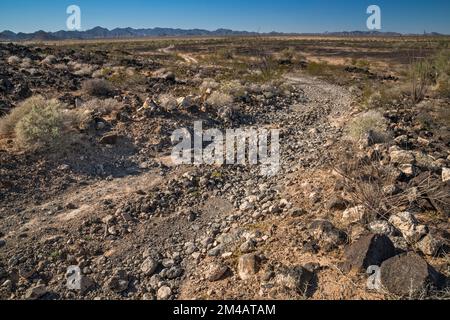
(122, 33)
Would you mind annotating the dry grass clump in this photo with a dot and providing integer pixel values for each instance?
(36, 123)
(234, 88)
(210, 84)
(26, 63)
(50, 59)
(98, 88)
(126, 77)
(168, 102)
(220, 99)
(13, 60)
(371, 122)
(101, 107)
(82, 69)
(82, 116)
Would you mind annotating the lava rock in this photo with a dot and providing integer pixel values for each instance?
(370, 250)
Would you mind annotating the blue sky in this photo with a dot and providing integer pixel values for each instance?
(413, 16)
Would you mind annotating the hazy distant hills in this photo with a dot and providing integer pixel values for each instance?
(118, 33)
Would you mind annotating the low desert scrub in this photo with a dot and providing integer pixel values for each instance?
(382, 97)
(98, 88)
(101, 107)
(233, 88)
(13, 60)
(8, 123)
(209, 84)
(36, 123)
(83, 115)
(369, 122)
(364, 184)
(26, 63)
(219, 99)
(49, 60)
(127, 77)
(168, 102)
(420, 77)
(82, 69)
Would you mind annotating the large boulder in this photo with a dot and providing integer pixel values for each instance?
(370, 250)
(405, 275)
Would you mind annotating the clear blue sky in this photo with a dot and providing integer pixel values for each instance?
(413, 16)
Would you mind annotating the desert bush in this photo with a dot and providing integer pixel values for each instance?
(224, 54)
(317, 68)
(98, 88)
(219, 99)
(50, 59)
(43, 126)
(209, 84)
(36, 122)
(368, 122)
(420, 76)
(13, 60)
(127, 77)
(101, 107)
(9, 122)
(233, 88)
(443, 86)
(168, 102)
(26, 63)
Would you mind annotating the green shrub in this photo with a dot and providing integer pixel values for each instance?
(43, 125)
(8, 123)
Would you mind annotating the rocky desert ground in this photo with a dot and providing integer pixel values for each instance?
(87, 182)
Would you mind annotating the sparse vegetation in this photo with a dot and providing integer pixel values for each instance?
(168, 102)
(98, 88)
(13, 60)
(49, 60)
(219, 99)
(37, 122)
(370, 121)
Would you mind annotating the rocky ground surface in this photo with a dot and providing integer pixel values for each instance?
(138, 227)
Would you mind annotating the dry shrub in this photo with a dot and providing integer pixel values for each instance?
(98, 88)
(8, 123)
(101, 108)
(26, 63)
(50, 59)
(209, 84)
(168, 102)
(369, 122)
(13, 60)
(365, 182)
(419, 73)
(233, 88)
(219, 99)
